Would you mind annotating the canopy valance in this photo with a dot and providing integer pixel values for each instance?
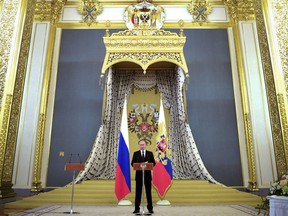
(145, 47)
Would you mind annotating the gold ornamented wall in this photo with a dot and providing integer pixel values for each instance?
(271, 88)
(15, 42)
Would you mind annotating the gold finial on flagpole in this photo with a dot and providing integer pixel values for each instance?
(107, 24)
(181, 24)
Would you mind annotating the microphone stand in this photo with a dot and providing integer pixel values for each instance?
(143, 166)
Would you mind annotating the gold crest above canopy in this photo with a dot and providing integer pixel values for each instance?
(144, 43)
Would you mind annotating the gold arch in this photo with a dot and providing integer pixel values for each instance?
(145, 67)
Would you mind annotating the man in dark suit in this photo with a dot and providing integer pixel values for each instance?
(138, 157)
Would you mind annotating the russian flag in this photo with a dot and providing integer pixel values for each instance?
(122, 179)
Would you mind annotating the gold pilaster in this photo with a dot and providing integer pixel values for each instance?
(238, 11)
(281, 101)
(12, 81)
(276, 17)
(5, 187)
(7, 25)
(252, 183)
(56, 8)
(280, 12)
(36, 184)
(274, 109)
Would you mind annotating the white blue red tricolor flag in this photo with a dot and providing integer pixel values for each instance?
(122, 179)
(162, 172)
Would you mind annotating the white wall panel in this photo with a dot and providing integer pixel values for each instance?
(50, 108)
(219, 14)
(26, 142)
(238, 107)
(262, 136)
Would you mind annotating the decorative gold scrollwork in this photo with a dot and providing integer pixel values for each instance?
(36, 184)
(49, 11)
(280, 12)
(4, 131)
(240, 10)
(284, 122)
(252, 183)
(43, 10)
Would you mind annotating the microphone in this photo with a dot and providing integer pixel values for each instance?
(79, 158)
(70, 158)
(71, 155)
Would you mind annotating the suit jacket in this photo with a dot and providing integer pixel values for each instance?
(137, 158)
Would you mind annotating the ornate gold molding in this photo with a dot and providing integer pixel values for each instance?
(252, 183)
(1, 4)
(7, 153)
(89, 10)
(4, 130)
(142, 47)
(280, 12)
(240, 10)
(200, 9)
(49, 11)
(277, 134)
(56, 10)
(15, 83)
(43, 10)
(37, 185)
(7, 23)
(18, 91)
(284, 122)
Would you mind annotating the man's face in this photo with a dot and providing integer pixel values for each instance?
(142, 145)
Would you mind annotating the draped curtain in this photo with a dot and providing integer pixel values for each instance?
(186, 161)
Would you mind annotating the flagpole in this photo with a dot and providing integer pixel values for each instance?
(163, 202)
(124, 202)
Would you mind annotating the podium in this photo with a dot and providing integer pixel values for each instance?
(73, 167)
(278, 205)
(143, 167)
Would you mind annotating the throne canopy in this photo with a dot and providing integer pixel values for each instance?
(144, 44)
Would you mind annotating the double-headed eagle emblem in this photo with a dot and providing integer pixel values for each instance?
(89, 10)
(144, 125)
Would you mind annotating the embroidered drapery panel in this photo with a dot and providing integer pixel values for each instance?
(186, 160)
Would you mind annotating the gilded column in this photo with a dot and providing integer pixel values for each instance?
(52, 12)
(280, 12)
(271, 88)
(15, 27)
(238, 11)
(276, 19)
